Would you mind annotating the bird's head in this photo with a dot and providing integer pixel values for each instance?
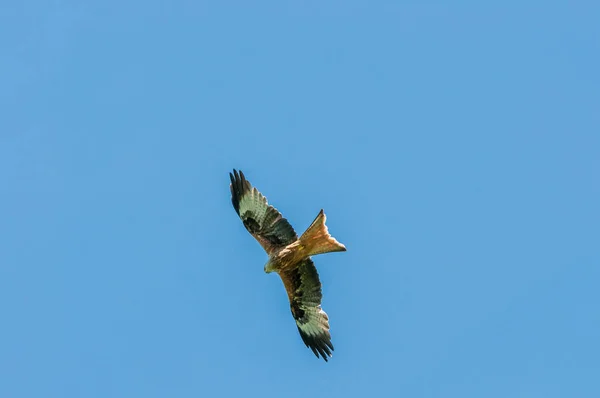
(269, 267)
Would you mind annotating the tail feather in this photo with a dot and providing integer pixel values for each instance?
(317, 240)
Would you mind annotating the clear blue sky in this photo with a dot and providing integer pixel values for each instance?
(454, 148)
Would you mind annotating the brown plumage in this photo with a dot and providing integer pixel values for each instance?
(289, 257)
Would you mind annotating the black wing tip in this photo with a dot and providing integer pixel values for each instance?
(238, 178)
(236, 193)
(238, 187)
(236, 175)
(321, 346)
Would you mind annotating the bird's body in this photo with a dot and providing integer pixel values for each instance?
(316, 240)
(289, 256)
(286, 258)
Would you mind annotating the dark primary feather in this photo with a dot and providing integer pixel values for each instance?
(304, 291)
(262, 220)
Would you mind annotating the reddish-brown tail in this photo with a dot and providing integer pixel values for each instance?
(316, 239)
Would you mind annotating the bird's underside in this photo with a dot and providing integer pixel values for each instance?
(289, 257)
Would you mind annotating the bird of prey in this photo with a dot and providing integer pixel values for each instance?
(289, 256)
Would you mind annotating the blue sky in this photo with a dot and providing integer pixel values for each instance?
(454, 148)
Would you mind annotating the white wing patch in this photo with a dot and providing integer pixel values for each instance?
(318, 321)
(255, 202)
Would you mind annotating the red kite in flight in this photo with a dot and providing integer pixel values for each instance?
(289, 256)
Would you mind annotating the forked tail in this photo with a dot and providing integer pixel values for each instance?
(316, 238)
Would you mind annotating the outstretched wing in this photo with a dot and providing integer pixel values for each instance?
(304, 291)
(262, 220)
